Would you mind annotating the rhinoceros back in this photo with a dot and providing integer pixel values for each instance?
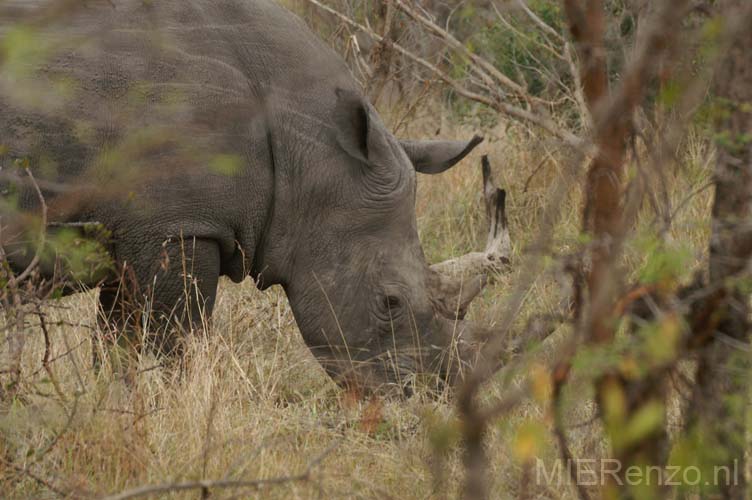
(125, 93)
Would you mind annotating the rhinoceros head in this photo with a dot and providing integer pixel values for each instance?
(352, 264)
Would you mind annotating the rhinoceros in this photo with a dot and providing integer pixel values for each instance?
(223, 138)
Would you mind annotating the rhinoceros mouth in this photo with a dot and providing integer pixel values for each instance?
(429, 371)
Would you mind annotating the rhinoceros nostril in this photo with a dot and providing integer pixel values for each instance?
(407, 389)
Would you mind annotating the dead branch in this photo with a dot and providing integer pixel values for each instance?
(381, 57)
(535, 171)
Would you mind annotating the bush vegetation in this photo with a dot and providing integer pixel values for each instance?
(248, 402)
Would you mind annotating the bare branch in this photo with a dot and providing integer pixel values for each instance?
(545, 27)
(560, 378)
(37, 478)
(493, 102)
(480, 66)
(161, 489)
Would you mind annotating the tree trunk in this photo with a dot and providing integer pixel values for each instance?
(718, 408)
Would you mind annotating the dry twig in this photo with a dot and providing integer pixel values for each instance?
(161, 489)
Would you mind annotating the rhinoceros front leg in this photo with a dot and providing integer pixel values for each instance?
(160, 286)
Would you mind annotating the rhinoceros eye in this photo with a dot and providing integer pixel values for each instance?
(392, 303)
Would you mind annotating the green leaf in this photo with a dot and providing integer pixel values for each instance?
(21, 49)
(229, 165)
(84, 258)
(664, 264)
(648, 419)
(529, 441)
(670, 93)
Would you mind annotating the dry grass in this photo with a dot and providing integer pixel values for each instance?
(252, 403)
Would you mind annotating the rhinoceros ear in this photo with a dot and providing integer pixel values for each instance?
(433, 157)
(359, 129)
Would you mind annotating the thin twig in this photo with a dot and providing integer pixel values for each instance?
(42, 481)
(560, 379)
(161, 489)
(481, 67)
(46, 356)
(42, 233)
(545, 27)
(535, 171)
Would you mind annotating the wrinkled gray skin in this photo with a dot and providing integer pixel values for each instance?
(228, 126)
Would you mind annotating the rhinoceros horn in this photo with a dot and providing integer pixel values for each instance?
(456, 282)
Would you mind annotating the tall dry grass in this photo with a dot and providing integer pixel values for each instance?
(250, 402)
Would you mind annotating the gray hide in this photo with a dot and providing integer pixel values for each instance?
(221, 137)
